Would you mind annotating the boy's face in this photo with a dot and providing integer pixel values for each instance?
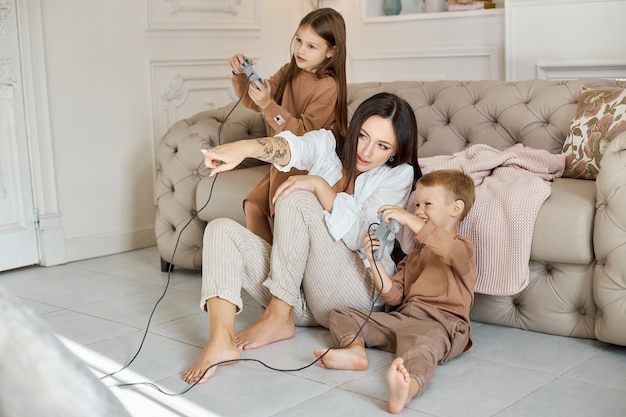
(434, 204)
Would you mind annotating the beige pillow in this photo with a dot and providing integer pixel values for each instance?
(600, 116)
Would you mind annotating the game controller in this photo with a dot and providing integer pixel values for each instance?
(382, 232)
(247, 69)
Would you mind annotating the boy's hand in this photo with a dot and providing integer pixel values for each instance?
(403, 217)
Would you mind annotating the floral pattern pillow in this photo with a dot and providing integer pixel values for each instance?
(600, 116)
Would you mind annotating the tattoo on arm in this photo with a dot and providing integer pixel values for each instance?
(273, 149)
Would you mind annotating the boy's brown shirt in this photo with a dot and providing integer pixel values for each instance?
(440, 272)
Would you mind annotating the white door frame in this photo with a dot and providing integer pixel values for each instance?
(51, 235)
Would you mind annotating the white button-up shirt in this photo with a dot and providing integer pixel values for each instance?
(351, 215)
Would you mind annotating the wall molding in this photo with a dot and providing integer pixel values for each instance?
(565, 70)
(183, 87)
(193, 15)
(490, 56)
(104, 244)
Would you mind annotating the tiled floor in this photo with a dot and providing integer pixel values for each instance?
(104, 305)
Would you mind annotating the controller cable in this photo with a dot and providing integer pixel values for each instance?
(169, 271)
(170, 265)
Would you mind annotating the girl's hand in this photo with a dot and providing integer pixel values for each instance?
(234, 64)
(298, 182)
(260, 94)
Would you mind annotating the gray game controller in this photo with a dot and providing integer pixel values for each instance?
(382, 232)
(247, 69)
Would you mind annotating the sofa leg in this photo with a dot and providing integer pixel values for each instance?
(166, 266)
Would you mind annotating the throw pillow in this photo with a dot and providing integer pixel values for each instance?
(600, 116)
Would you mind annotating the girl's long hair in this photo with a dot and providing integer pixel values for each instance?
(388, 106)
(330, 26)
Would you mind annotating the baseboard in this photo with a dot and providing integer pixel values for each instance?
(108, 244)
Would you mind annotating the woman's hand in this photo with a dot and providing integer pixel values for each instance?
(370, 245)
(297, 182)
(314, 183)
(224, 157)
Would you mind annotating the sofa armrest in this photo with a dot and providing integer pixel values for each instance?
(609, 240)
(180, 167)
(222, 195)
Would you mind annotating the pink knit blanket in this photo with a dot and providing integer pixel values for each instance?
(511, 186)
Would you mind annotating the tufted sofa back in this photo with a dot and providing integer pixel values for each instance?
(452, 115)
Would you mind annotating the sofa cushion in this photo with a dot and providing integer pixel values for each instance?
(600, 116)
(564, 226)
(227, 193)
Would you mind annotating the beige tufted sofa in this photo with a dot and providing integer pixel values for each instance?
(578, 259)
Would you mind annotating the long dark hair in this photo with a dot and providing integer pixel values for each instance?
(330, 26)
(388, 106)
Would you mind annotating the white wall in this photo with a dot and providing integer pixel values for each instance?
(565, 39)
(119, 72)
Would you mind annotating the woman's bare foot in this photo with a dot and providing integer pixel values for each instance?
(399, 382)
(213, 353)
(353, 358)
(270, 328)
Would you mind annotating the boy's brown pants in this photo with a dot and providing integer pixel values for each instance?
(420, 334)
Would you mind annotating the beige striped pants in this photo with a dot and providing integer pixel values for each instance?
(305, 267)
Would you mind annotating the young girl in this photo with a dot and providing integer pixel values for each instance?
(317, 262)
(306, 94)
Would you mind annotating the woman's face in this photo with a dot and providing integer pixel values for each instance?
(377, 143)
(309, 49)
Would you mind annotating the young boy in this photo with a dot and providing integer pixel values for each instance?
(434, 289)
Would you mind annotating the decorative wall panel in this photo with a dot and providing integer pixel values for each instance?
(182, 88)
(202, 14)
(561, 30)
(11, 208)
(426, 65)
(565, 70)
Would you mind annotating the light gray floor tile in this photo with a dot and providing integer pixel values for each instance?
(343, 403)
(135, 309)
(84, 329)
(542, 352)
(469, 386)
(158, 357)
(567, 398)
(249, 390)
(105, 303)
(608, 368)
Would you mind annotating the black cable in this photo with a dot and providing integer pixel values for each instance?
(231, 361)
(170, 266)
(171, 263)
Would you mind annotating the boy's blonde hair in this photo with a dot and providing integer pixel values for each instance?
(458, 184)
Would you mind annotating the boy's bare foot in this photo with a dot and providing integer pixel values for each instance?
(353, 358)
(270, 328)
(399, 382)
(213, 353)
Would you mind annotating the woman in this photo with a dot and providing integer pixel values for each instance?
(316, 262)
